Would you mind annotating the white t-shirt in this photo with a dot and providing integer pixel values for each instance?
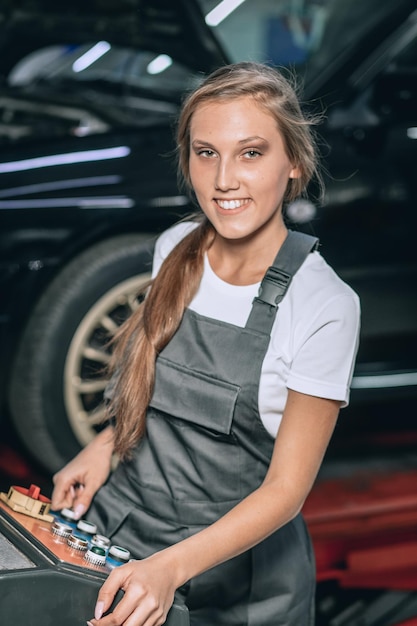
(314, 338)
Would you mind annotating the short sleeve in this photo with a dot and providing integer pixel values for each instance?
(325, 356)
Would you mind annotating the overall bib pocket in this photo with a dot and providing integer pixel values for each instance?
(192, 412)
(178, 391)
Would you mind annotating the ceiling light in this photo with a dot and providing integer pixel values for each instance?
(91, 56)
(221, 11)
(159, 64)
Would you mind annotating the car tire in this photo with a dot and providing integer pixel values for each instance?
(57, 381)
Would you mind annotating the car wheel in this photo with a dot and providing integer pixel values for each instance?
(57, 380)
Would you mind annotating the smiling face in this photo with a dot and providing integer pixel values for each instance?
(239, 169)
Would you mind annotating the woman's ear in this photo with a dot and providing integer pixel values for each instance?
(295, 173)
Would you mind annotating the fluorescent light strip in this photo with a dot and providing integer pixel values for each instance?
(65, 159)
(72, 183)
(159, 64)
(221, 11)
(405, 379)
(91, 56)
(105, 202)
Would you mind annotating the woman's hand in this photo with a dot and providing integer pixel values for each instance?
(77, 482)
(148, 587)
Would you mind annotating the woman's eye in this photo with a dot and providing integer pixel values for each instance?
(206, 153)
(252, 154)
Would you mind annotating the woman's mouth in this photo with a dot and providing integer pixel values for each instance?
(228, 205)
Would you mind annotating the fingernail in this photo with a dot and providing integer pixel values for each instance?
(89, 624)
(79, 510)
(98, 611)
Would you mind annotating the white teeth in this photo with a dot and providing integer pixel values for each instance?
(230, 204)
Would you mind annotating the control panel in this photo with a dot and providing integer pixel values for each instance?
(52, 567)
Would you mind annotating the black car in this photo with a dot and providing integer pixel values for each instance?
(88, 99)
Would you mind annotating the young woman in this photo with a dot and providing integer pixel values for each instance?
(224, 402)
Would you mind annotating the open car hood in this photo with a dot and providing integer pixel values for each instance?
(177, 26)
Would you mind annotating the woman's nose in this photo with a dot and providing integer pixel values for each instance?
(226, 176)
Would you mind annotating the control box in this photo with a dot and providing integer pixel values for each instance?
(44, 581)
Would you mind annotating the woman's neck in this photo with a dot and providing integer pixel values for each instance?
(242, 262)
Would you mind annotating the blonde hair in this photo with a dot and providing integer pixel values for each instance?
(151, 327)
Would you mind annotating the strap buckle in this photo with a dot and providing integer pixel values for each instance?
(273, 286)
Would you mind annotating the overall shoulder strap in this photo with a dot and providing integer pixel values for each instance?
(277, 279)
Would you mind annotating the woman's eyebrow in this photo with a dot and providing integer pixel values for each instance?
(244, 141)
(201, 142)
(253, 138)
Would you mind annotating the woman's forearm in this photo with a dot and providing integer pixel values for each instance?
(252, 520)
(105, 438)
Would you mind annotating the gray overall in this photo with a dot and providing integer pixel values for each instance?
(205, 449)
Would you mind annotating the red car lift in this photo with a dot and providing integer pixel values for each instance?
(364, 531)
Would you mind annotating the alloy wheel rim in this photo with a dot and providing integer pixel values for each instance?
(89, 353)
